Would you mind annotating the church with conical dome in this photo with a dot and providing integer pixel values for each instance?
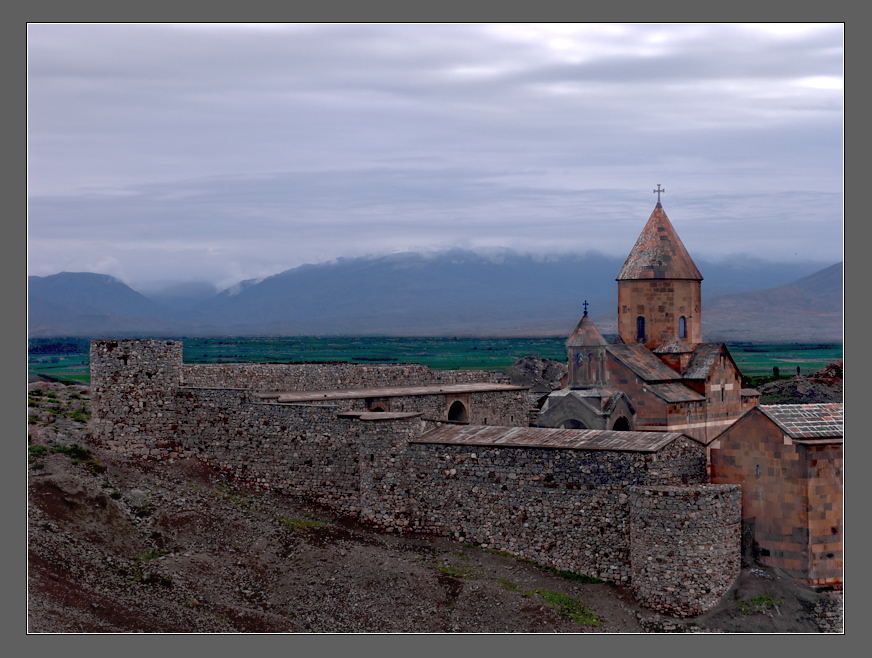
(657, 374)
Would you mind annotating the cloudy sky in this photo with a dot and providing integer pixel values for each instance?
(226, 152)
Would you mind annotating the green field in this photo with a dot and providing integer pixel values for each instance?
(437, 353)
(67, 359)
(758, 359)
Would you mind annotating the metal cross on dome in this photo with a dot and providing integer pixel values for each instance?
(585, 306)
(658, 191)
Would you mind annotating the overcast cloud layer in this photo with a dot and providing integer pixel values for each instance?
(222, 153)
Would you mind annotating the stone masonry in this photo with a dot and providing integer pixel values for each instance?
(583, 507)
(683, 545)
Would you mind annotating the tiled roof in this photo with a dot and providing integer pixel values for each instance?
(704, 357)
(585, 334)
(659, 253)
(603, 399)
(750, 393)
(675, 392)
(808, 421)
(641, 361)
(542, 437)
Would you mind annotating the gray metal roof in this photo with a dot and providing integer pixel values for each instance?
(808, 421)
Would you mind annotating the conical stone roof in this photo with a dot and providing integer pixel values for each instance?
(659, 253)
(586, 334)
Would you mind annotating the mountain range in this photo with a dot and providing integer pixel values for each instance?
(456, 292)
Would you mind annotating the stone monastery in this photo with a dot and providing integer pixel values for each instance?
(657, 374)
(610, 478)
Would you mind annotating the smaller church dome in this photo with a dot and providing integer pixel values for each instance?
(586, 334)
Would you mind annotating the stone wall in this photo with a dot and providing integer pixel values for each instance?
(299, 449)
(133, 385)
(586, 511)
(504, 408)
(563, 508)
(324, 376)
(685, 545)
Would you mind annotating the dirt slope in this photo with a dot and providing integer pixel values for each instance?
(131, 546)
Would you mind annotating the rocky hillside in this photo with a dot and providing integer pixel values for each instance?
(118, 545)
(824, 385)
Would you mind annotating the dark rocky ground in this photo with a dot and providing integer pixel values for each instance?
(824, 385)
(117, 545)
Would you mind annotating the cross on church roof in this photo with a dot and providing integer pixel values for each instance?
(585, 306)
(658, 191)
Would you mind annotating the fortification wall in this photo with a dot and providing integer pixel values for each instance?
(133, 384)
(563, 508)
(323, 376)
(685, 545)
(596, 512)
(299, 449)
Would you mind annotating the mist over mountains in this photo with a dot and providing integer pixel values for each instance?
(454, 292)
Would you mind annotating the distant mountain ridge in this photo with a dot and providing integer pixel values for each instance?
(452, 292)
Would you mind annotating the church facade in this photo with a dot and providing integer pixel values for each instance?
(657, 374)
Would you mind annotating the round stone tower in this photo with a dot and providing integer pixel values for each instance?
(659, 288)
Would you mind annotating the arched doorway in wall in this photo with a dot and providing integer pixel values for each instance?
(457, 411)
(572, 424)
(621, 425)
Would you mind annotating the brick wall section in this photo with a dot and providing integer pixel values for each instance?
(685, 546)
(723, 391)
(661, 303)
(562, 508)
(651, 411)
(793, 508)
(701, 421)
(824, 466)
(326, 376)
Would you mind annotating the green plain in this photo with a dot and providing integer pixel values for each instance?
(67, 359)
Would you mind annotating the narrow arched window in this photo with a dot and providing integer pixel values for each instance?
(640, 328)
(682, 327)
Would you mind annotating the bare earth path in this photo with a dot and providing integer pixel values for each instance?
(119, 545)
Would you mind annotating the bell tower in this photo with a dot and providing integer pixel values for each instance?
(659, 287)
